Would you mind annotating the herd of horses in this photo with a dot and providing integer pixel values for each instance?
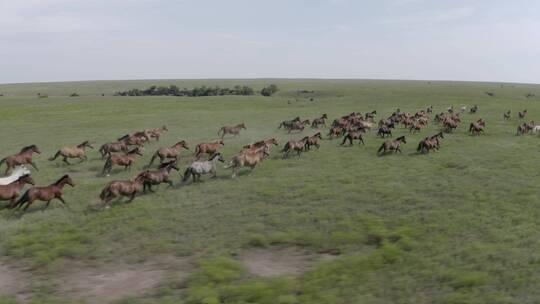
(124, 152)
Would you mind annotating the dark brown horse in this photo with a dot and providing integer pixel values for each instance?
(321, 121)
(522, 115)
(125, 160)
(128, 188)
(294, 145)
(162, 175)
(12, 191)
(78, 151)
(314, 140)
(22, 158)
(173, 152)
(392, 145)
(46, 194)
(108, 148)
(286, 124)
(209, 148)
(352, 135)
(384, 131)
(231, 130)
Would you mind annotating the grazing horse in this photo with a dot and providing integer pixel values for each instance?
(172, 152)
(123, 188)
(156, 132)
(108, 148)
(18, 172)
(209, 148)
(351, 135)
(384, 131)
(78, 151)
(231, 130)
(319, 121)
(475, 128)
(522, 115)
(286, 124)
(299, 125)
(392, 145)
(198, 168)
(294, 145)
(125, 160)
(12, 190)
(506, 116)
(314, 140)
(22, 158)
(162, 175)
(46, 194)
(248, 158)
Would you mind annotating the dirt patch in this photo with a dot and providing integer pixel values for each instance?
(107, 283)
(264, 262)
(14, 281)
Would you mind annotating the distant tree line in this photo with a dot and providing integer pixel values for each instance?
(173, 90)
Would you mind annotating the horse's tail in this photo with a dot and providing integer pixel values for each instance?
(380, 149)
(21, 201)
(187, 174)
(55, 156)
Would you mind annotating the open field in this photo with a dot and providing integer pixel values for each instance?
(336, 225)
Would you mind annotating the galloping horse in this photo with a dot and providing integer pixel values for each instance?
(156, 132)
(123, 188)
(198, 168)
(286, 124)
(78, 151)
(384, 131)
(172, 152)
(12, 190)
(522, 115)
(125, 160)
(18, 172)
(430, 143)
(22, 158)
(248, 158)
(266, 142)
(392, 145)
(319, 121)
(336, 131)
(231, 130)
(209, 148)
(299, 125)
(525, 128)
(351, 135)
(294, 145)
(506, 116)
(477, 127)
(134, 140)
(46, 194)
(313, 141)
(162, 175)
(108, 148)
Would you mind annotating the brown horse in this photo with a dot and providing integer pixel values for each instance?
(294, 145)
(449, 124)
(430, 143)
(286, 124)
(313, 141)
(108, 148)
(46, 194)
(248, 158)
(352, 135)
(384, 131)
(477, 127)
(336, 132)
(266, 142)
(392, 145)
(22, 158)
(231, 130)
(173, 152)
(525, 128)
(157, 132)
(299, 125)
(162, 175)
(13, 190)
(123, 188)
(78, 151)
(522, 115)
(134, 140)
(416, 127)
(321, 121)
(506, 116)
(125, 160)
(209, 148)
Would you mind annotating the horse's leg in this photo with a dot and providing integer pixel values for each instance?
(65, 160)
(34, 165)
(46, 205)
(132, 197)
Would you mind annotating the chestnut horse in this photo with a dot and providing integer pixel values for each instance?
(46, 194)
(123, 188)
(477, 127)
(231, 130)
(313, 141)
(22, 158)
(392, 145)
(336, 131)
(321, 121)
(172, 152)
(294, 145)
(430, 143)
(13, 190)
(108, 148)
(78, 151)
(209, 148)
(162, 175)
(248, 158)
(125, 160)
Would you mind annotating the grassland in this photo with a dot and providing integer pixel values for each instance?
(457, 226)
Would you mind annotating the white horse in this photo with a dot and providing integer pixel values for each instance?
(536, 129)
(18, 172)
(198, 168)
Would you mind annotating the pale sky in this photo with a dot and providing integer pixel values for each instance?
(62, 40)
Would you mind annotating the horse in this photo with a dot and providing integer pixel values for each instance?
(267, 142)
(430, 143)
(108, 148)
(156, 132)
(449, 124)
(299, 125)
(173, 152)
(22, 158)
(209, 148)
(351, 135)
(18, 172)
(78, 151)
(536, 129)
(319, 121)
(123, 188)
(392, 145)
(294, 145)
(133, 140)
(416, 127)
(522, 115)
(370, 116)
(247, 159)
(12, 190)
(231, 130)
(313, 141)
(46, 194)
(475, 128)
(506, 116)
(429, 110)
(125, 160)
(288, 123)
(474, 109)
(336, 131)
(162, 175)
(384, 131)
(525, 128)
(198, 168)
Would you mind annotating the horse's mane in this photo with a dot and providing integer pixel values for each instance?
(164, 165)
(24, 149)
(61, 178)
(124, 137)
(83, 143)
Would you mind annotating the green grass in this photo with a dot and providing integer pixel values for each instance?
(457, 226)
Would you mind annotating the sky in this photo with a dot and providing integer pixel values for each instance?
(67, 40)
